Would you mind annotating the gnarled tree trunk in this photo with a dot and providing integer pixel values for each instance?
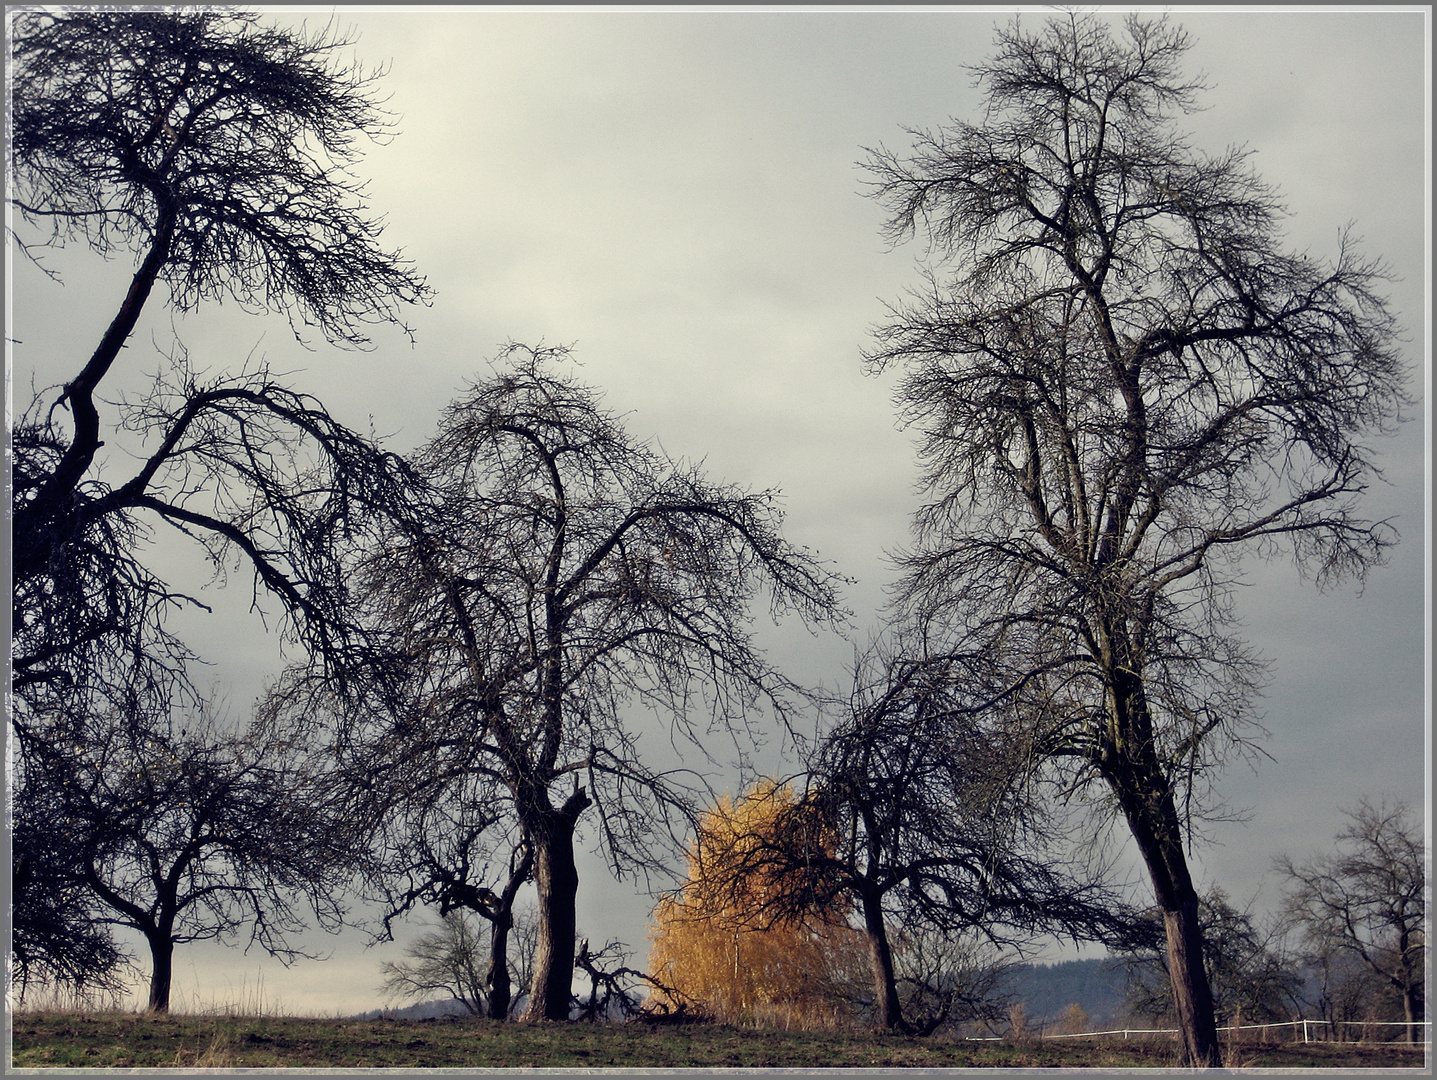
(888, 1011)
(557, 879)
(1152, 816)
(497, 985)
(162, 956)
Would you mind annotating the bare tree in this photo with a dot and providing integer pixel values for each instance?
(186, 833)
(1345, 991)
(936, 824)
(457, 961)
(1369, 901)
(447, 840)
(1123, 383)
(558, 579)
(945, 977)
(443, 961)
(217, 152)
(918, 816)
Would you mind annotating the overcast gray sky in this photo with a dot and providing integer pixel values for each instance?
(675, 193)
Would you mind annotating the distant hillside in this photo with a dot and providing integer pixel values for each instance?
(1047, 989)
(424, 1010)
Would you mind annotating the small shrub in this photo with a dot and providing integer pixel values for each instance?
(1020, 1028)
(1074, 1020)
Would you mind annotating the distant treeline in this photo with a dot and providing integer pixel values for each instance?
(1046, 990)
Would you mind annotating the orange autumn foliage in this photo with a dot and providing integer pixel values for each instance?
(716, 943)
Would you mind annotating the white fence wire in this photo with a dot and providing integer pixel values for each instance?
(1308, 1029)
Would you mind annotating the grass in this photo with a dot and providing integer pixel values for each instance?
(137, 1040)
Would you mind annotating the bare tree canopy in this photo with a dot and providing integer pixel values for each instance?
(1123, 383)
(557, 579)
(242, 464)
(184, 833)
(217, 152)
(1368, 901)
(921, 821)
(249, 469)
(217, 149)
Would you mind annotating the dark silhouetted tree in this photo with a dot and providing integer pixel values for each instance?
(918, 817)
(458, 961)
(937, 826)
(1122, 384)
(1368, 902)
(445, 839)
(557, 580)
(252, 470)
(185, 833)
(217, 152)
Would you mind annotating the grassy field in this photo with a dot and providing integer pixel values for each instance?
(131, 1040)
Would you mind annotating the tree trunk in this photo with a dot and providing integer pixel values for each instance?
(497, 984)
(888, 1012)
(1412, 1009)
(498, 911)
(1130, 766)
(162, 956)
(1192, 995)
(557, 880)
(1153, 819)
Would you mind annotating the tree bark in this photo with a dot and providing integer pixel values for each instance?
(556, 878)
(1156, 827)
(1412, 1008)
(497, 984)
(888, 1012)
(162, 957)
(1192, 996)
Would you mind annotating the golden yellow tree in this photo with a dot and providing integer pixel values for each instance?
(717, 942)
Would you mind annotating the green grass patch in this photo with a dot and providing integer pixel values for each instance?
(137, 1040)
